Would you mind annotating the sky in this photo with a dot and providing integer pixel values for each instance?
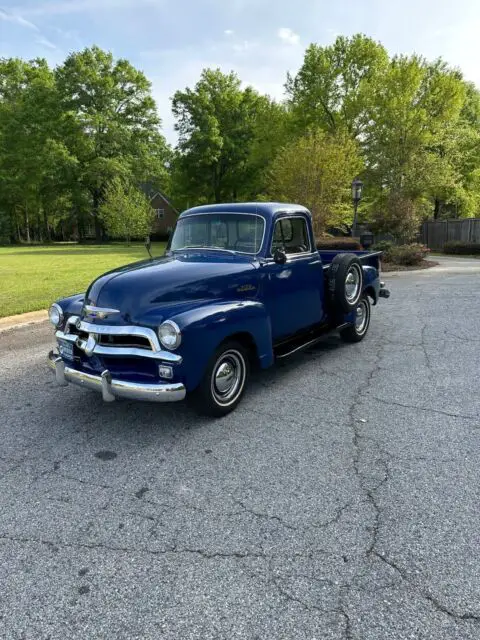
(173, 40)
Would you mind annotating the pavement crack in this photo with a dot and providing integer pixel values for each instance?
(174, 549)
(435, 602)
(426, 409)
(425, 352)
(265, 516)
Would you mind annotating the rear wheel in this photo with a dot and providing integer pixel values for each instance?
(224, 382)
(358, 330)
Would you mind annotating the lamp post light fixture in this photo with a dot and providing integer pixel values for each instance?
(357, 187)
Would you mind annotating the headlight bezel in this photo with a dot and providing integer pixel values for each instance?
(57, 309)
(178, 335)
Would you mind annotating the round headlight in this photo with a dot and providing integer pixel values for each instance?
(169, 334)
(55, 314)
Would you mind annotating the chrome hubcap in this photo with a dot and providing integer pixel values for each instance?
(361, 317)
(352, 283)
(225, 377)
(228, 377)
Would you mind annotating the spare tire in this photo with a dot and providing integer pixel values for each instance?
(345, 282)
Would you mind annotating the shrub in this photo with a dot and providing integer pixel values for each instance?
(382, 245)
(463, 248)
(406, 254)
(338, 244)
(397, 215)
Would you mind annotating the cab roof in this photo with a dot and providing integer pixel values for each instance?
(265, 209)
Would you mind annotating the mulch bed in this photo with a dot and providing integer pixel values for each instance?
(425, 264)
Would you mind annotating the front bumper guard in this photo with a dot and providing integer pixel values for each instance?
(111, 388)
(383, 293)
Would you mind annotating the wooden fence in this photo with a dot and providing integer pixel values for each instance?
(435, 233)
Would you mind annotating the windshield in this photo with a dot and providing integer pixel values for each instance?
(226, 231)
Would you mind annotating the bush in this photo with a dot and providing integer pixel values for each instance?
(382, 245)
(338, 244)
(462, 248)
(397, 215)
(406, 254)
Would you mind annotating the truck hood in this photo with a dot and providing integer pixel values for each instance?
(144, 291)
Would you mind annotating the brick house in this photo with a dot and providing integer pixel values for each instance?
(165, 213)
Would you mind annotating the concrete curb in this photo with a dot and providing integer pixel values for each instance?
(22, 319)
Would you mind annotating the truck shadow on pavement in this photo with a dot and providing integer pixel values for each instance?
(82, 411)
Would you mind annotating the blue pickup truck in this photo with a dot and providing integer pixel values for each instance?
(239, 286)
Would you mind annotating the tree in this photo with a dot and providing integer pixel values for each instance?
(329, 89)
(34, 162)
(125, 211)
(110, 123)
(216, 127)
(317, 170)
(412, 121)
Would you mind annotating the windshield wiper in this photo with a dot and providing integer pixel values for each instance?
(208, 249)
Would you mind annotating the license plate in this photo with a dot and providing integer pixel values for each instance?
(66, 349)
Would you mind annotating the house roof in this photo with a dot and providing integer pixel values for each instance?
(151, 192)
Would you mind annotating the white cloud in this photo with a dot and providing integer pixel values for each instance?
(45, 42)
(288, 35)
(228, 32)
(17, 19)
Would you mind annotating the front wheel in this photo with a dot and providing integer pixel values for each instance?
(224, 382)
(358, 330)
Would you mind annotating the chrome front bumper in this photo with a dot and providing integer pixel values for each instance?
(111, 388)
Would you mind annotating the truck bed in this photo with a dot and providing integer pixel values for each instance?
(370, 258)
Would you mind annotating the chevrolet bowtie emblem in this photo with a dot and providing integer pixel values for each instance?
(89, 311)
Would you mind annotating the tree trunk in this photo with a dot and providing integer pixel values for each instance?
(46, 227)
(17, 226)
(436, 209)
(27, 224)
(216, 184)
(80, 226)
(98, 224)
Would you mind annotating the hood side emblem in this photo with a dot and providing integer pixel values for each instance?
(89, 311)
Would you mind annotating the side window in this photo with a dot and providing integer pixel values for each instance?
(291, 235)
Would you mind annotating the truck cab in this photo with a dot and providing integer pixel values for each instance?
(240, 285)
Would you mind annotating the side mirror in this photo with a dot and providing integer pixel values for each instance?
(279, 256)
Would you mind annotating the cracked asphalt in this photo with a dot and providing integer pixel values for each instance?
(340, 500)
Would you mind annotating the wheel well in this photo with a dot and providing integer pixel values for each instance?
(245, 339)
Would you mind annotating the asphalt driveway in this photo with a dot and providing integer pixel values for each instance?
(341, 500)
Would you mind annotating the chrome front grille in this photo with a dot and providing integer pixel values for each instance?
(115, 340)
(110, 339)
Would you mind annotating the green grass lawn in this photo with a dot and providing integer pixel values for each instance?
(31, 278)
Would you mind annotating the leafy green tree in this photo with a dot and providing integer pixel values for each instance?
(216, 127)
(110, 123)
(410, 130)
(316, 170)
(125, 211)
(32, 155)
(329, 89)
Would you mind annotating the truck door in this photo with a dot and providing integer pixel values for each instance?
(294, 290)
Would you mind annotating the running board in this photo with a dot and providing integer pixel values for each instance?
(288, 349)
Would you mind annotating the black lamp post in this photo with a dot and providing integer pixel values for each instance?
(357, 186)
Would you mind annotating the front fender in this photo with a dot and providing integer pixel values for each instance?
(72, 305)
(205, 327)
